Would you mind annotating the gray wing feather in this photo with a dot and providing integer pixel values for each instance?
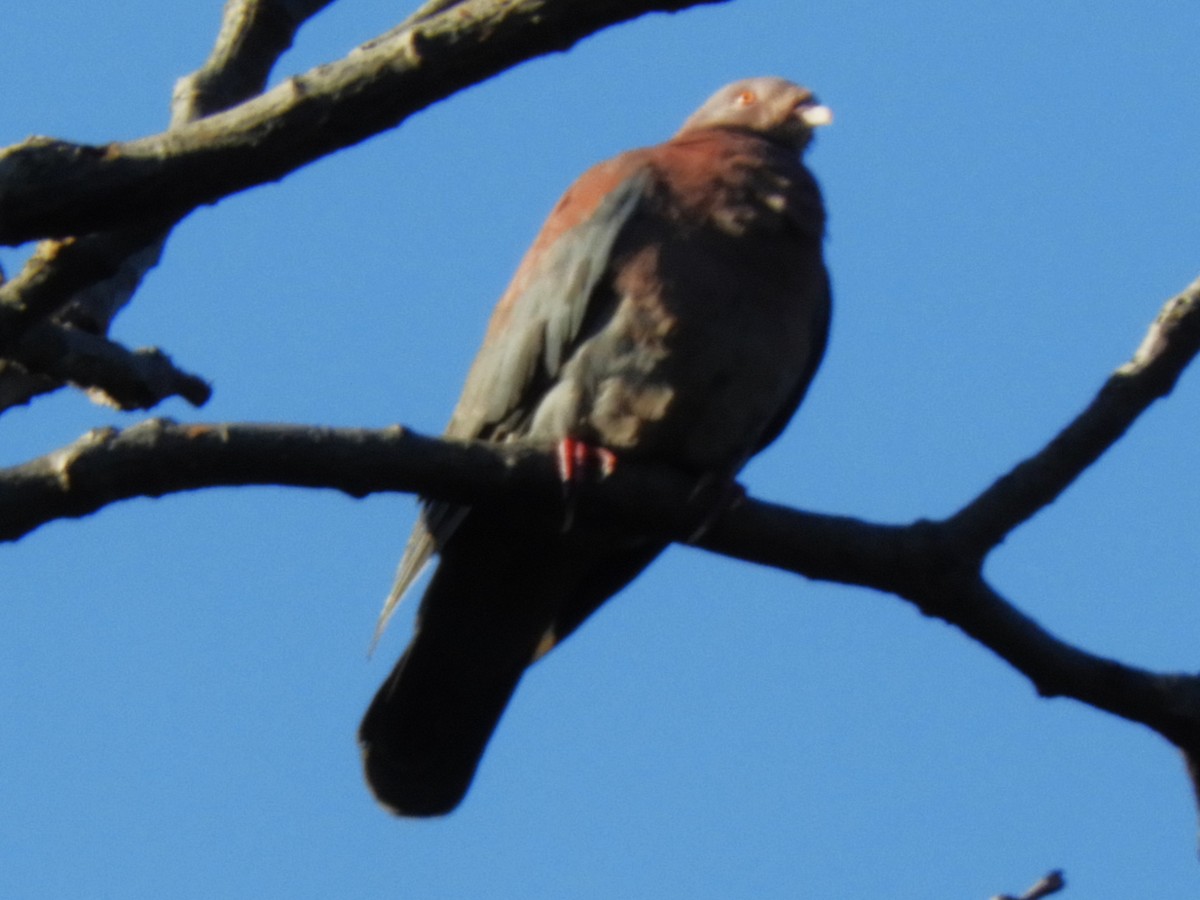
(538, 339)
(546, 318)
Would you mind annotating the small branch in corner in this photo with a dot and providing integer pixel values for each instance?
(1052, 883)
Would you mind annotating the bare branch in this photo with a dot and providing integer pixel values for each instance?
(1169, 346)
(935, 565)
(54, 188)
(18, 385)
(917, 562)
(253, 35)
(430, 9)
(1045, 886)
(158, 457)
(107, 267)
(112, 375)
(84, 282)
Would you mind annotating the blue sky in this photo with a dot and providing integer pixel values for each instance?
(1012, 193)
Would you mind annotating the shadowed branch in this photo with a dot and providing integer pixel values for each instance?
(108, 209)
(936, 565)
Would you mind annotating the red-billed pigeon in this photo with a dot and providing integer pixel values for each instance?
(674, 308)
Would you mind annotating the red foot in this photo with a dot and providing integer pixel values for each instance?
(577, 460)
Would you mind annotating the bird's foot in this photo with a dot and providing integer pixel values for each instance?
(579, 462)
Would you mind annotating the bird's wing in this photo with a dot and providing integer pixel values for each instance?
(532, 333)
(537, 321)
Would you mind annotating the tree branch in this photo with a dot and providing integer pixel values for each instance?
(1169, 346)
(253, 35)
(112, 375)
(84, 282)
(121, 200)
(935, 565)
(1045, 886)
(53, 188)
(917, 561)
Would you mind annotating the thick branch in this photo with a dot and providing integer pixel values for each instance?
(253, 35)
(85, 281)
(917, 562)
(18, 385)
(935, 565)
(54, 188)
(158, 457)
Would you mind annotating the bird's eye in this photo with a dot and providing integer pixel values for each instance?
(746, 98)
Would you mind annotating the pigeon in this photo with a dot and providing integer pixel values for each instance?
(673, 309)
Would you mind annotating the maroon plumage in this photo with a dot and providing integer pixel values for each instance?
(674, 308)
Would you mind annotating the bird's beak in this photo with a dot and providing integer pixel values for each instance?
(813, 114)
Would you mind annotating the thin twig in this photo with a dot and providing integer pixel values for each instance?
(1047, 885)
(1169, 346)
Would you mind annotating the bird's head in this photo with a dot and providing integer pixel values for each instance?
(773, 107)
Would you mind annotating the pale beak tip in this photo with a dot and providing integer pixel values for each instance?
(816, 116)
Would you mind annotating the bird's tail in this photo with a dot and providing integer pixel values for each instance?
(427, 727)
(426, 730)
(504, 592)
(484, 614)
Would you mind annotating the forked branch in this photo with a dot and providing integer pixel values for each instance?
(935, 565)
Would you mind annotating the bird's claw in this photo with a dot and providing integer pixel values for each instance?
(577, 460)
(577, 463)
